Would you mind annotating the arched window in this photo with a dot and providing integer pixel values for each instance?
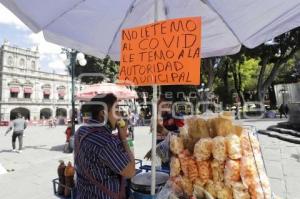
(10, 61)
(22, 62)
(33, 65)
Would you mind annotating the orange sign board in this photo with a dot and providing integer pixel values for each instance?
(162, 53)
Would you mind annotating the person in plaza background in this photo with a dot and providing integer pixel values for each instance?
(102, 160)
(283, 110)
(18, 125)
(167, 121)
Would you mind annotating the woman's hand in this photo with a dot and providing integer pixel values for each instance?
(148, 155)
(122, 130)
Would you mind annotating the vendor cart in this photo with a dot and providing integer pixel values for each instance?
(139, 187)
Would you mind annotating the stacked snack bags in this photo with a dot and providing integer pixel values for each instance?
(216, 156)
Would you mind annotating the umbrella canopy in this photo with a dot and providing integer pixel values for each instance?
(121, 92)
(93, 26)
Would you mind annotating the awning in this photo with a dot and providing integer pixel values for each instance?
(27, 90)
(46, 91)
(61, 93)
(14, 90)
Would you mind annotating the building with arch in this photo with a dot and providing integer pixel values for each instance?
(25, 89)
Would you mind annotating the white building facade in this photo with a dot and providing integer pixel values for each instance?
(29, 91)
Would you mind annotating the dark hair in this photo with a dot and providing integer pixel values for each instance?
(94, 109)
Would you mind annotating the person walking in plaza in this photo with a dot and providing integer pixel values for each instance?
(283, 110)
(102, 160)
(18, 125)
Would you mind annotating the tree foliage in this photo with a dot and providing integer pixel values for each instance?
(97, 70)
(273, 58)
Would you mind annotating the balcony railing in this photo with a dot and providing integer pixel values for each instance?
(13, 99)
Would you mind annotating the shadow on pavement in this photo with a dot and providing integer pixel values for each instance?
(36, 147)
(296, 156)
(58, 148)
(7, 151)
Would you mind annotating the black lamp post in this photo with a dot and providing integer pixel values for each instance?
(70, 57)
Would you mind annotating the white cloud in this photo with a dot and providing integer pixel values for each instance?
(49, 52)
(58, 66)
(8, 17)
(44, 46)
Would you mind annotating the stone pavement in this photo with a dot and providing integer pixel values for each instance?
(36, 166)
(282, 160)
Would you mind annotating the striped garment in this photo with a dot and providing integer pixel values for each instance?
(104, 157)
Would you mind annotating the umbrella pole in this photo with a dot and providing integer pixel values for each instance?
(154, 133)
(154, 117)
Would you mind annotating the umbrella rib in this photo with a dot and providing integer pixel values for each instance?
(220, 16)
(63, 13)
(129, 10)
(165, 9)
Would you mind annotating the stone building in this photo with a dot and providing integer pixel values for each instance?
(25, 89)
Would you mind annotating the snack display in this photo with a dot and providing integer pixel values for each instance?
(192, 169)
(219, 148)
(222, 126)
(187, 186)
(217, 170)
(248, 170)
(183, 158)
(237, 130)
(232, 171)
(222, 159)
(249, 144)
(224, 193)
(233, 145)
(204, 170)
(240, 191)
(175, 167)
(176, 144)
(203, 149)
(192, 126)
(203, 130)
(211, 188)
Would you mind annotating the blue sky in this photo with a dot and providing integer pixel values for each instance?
(13, 30)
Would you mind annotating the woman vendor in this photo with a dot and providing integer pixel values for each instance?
(102, 160)
(165, 123)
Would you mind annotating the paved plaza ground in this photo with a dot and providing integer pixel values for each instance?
(36, 166)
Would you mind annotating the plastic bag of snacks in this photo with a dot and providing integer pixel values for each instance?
(217, 170)
(219, 148)
(175, 165)
(184, 162)
(204, 169)
(203, 149)
(192, 169)
(233, 145)
(232, 171)
(227, 166)
(171, 190)
(176, 144)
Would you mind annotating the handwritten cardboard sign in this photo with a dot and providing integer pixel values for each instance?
(162, 53)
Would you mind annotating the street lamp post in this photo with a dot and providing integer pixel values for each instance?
(70, 58)
(283, 92)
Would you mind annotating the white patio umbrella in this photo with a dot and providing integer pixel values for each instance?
(93, 26)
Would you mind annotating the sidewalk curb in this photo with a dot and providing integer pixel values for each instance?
(284, 137)
(284, 131)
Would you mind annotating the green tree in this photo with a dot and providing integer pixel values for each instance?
(273, 58)
(99, 68)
